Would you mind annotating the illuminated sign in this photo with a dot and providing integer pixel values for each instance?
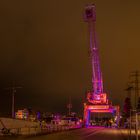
(102, 111)
(98, 107)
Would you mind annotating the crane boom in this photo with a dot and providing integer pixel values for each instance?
(97, 83)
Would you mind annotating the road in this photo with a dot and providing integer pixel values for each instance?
(92, 133)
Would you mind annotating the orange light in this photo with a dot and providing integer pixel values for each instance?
(102, 111)
(98, 107)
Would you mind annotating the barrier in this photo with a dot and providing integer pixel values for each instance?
(47, 129)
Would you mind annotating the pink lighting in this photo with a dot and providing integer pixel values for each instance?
(97, 98)
(91, 107)
(102, 111)
(97, 101)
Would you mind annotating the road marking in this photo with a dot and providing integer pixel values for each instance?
(93, 132)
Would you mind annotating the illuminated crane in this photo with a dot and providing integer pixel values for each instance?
(97, 101)
(96, 96)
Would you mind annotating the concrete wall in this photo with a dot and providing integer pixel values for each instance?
(22, 127)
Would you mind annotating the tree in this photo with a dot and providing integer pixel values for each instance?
(127, 107)
(138, 106)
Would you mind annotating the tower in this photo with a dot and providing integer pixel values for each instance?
(97, 101)
(96, 95)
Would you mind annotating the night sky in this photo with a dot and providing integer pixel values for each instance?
(44, 48)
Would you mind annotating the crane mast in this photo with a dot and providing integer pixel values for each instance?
(97, 101)
(97, 84)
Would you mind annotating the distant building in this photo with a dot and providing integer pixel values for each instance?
(22, 114)
(26, 114)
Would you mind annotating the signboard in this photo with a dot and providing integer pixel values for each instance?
(98, 107)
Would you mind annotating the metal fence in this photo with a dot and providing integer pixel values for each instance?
(46, 129)
(134, 125)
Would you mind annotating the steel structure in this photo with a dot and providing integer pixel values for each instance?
(97, 84)
(96, 99)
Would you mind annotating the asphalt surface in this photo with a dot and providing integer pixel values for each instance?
(91, 133)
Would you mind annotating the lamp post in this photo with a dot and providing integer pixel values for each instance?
(136, 126)
(130, 125)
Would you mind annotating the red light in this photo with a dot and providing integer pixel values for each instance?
(90, 107)
(102, 111)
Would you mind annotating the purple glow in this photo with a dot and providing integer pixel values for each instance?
(99, 109)
(96, 97)
(97, 84)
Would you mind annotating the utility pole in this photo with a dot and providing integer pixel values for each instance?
(136, 86)
(13, 90)
(135, 74)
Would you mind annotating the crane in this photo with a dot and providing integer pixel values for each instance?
(96, 96)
